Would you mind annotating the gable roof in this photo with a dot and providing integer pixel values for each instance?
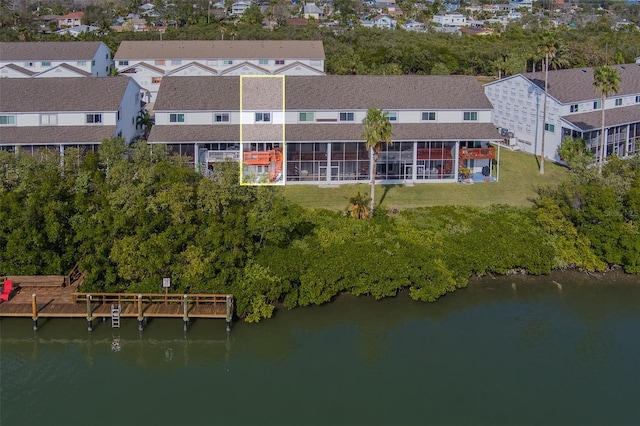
(193, 65)
(49, 50)
(220, 49)
(19, 69)
(78, 71)
(73, 15)
(428, 92)
(295, 65)
(575, 85)
(62, 94)
(143, 65)
(242, 65)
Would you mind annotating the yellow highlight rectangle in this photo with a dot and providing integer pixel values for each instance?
(259, 133)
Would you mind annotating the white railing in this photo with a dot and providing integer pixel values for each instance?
(218, 156)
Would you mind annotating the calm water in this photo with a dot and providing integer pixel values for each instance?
(486, 355)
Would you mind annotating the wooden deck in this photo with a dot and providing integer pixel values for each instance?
(58, 297)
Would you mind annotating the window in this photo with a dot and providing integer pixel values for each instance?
(307, 116)
(470, 116)
(29, 64)
(123, 63)
(574, 108)
(597, 105)
(48, 119)
(137, 98)
(263, 62)
(160, 62)
(118, 115)
(93, 63)
(176, 62)
(347, 116)
(84, 63)
(106, 56)
(46, 63)
(156, 80)
(429, 116)
(393, 116)
(228, 62)
(94, 118)
(619, 102)
(550, 127)
(263, 117)
(7, 120)
(222, 117)
(279, 61)
(638, 99)
(176, 118)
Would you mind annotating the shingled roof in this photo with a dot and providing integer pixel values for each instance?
(50, 135)
(575, 85)
(328, 132)
(613, 117)
(219, 49)
(48, 50)
(330, 92)
(62, 94)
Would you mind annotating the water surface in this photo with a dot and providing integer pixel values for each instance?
(556, 350)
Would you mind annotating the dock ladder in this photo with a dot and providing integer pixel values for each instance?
(115, 315)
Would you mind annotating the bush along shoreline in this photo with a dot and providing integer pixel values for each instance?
(129, 219)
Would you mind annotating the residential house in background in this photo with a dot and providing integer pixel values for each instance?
(76, 31)
(381, 21)
(73, 19)
(58, 113)
(439, 124)
(450, 20)
(28, 59)
(574, 109)
(312, 11)
(148, 62)
(238, 7)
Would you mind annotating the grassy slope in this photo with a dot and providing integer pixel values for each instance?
(519, 176)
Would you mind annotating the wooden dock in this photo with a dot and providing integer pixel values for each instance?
(58, 297)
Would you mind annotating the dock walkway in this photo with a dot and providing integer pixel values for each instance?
(58, 297)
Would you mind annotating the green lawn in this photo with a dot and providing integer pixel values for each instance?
(519, 177)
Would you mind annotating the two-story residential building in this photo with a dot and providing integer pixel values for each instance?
(72, 19)
(29, 59)
(148, 62)
(440, 124)
(451, 20)
(57, 113)
(381, 21)
(574, 109)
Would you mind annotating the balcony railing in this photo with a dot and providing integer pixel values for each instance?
(220, 156)
(477, 153)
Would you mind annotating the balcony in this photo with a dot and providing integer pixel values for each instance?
(221, 156)
(477, 153)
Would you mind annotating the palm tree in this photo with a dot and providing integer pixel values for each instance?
(358, 208)
(145, 121)
(548, 47)
(605, 80)
(377, 134)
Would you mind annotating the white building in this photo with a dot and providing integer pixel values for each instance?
(439, 124)
(574, 109)
(56, 113)
(148, 62)
(451, 20)
(28, 59)
(238, 7)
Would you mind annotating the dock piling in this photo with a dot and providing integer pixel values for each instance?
(186, 315)
(34, 312)
(229, 312)
(140, 317)
(89, 314)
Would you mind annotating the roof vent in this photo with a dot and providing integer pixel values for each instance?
(622, 66)
(584, 70)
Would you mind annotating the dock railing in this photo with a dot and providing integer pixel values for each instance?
(153, 298)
